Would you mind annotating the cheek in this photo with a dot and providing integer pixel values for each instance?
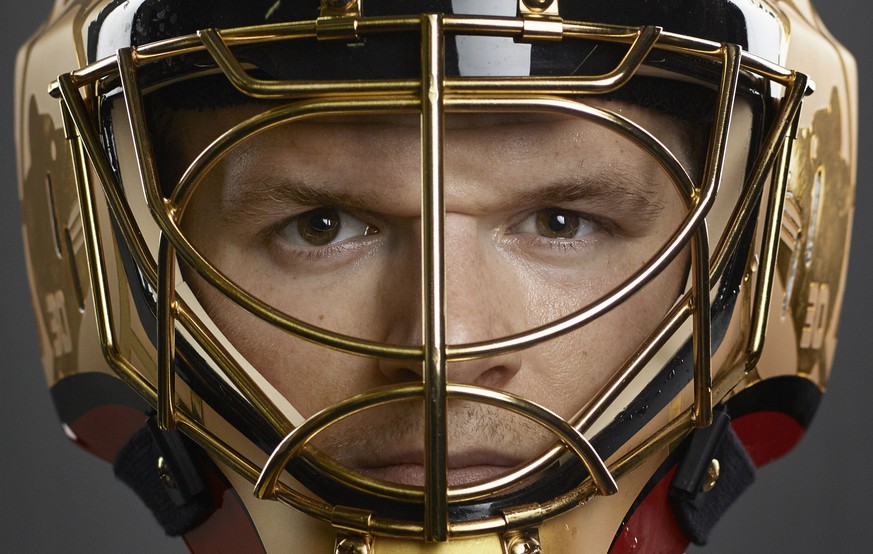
(565, 373)
(308, 375)
(552, 293)
(353, 299)
(625, 328)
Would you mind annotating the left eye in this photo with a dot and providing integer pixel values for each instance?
(556, 223)
(323, 227)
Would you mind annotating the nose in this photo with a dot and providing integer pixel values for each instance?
(481, 303)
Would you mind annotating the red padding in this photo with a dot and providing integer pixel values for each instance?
(229, 529)
(103, 430)
(768, 435)
(652, 527)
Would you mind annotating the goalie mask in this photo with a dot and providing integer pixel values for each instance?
(462, 276)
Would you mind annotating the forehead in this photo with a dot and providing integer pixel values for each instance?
(510, 137)
(493, 161)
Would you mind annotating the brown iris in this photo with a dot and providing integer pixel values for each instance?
(320, 226)
(558, 224)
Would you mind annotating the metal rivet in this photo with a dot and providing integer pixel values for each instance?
(351, 546)
(538, 5)
(524, 545)
(164, 474)
(713, 472)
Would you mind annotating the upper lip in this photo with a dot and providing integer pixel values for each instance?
(457, 460)
(408, 467)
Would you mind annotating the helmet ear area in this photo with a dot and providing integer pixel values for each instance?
(714, 466)
(767, 420)
(689, 492)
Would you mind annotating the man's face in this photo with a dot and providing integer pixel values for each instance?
(544, 215)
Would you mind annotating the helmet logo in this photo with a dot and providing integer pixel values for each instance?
(818, 193)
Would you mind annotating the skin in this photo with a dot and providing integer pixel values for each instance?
(544, 215)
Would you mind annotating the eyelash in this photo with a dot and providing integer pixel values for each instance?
(599, 225)
(279, 245)
(281, 249)
(564, 245)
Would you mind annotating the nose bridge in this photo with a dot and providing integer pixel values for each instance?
(474, 284)
(479, 294)
(478, 306)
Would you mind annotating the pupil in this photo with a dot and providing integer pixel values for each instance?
(322, 223)
(558, 224)
(319, 227)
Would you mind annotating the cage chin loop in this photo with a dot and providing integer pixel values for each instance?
(268, 483)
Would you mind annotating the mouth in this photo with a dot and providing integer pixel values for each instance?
(462, 470)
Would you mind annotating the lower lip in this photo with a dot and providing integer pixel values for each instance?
(413, 474)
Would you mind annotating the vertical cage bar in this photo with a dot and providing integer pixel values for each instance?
(773, 221)
(702, 338)
(433, 281)
(702, 412)
(166, 331)
(90, 228)
(75, 127)
(166, 336)
(93, 147)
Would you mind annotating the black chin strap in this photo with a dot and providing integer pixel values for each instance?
(166, 471)
(715, 470)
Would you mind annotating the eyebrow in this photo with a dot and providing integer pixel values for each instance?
(259, 197)
(620, 190)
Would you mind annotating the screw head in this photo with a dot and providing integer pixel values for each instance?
(524, 545)
(164, 474)
(351, 546)
(713, 472)
(538, 5)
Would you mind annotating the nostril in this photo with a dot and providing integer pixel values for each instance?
(494, 377)
(401, 374)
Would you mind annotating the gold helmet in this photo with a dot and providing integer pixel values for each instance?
(447, 276)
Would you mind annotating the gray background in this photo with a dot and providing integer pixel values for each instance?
(55, 498)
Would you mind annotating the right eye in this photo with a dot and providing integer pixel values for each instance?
(324, 227)
(557, 224)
